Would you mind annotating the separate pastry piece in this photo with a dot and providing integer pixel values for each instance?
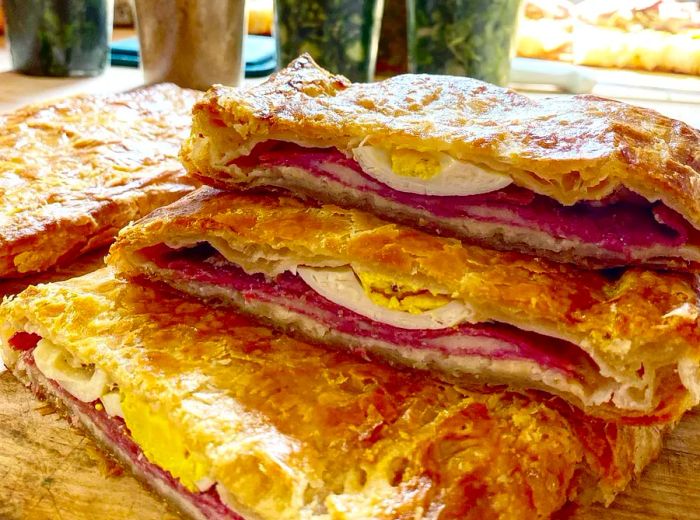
(641, 34)
(73, 172)
(224, 418)
(579, 179)
(545, 30)
(625, 346)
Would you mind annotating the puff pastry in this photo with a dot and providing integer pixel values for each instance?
(624, 346)
(580, 179)
(73, 172)
(647, 35)
(285, 430)
(545, 30)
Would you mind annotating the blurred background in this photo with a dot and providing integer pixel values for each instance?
(541, 45)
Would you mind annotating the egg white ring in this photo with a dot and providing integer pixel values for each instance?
(86, 384)
(456, 178)
(341, 286)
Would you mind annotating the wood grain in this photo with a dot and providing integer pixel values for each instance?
(669, 488)
(48, 470)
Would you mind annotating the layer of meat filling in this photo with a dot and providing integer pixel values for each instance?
(621, 224)
(489, 342)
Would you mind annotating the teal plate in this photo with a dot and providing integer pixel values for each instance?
(259, 54)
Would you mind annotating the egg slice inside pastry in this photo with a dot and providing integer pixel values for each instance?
(160, 442)
(427, 173)
(83, 382)
(384, 302)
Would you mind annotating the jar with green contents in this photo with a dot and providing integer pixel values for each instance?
(341, 35)
(59, 37)
(473, 38)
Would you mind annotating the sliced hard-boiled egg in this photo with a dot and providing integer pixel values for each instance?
(342, 286)
(85, 383)
(112, 404)
(164, 445)
(384, 291)
(427, 173)
(151, 430)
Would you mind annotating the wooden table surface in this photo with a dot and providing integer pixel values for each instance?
(50, 471)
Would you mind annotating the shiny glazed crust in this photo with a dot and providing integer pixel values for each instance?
(569, 148)
(320, 431)
(638, 319)
(73, 172)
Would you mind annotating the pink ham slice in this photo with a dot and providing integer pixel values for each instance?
(620, 223)
(119, 439)
(492, 341)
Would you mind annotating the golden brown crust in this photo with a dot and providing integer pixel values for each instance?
(322, 431)
(569, 148)
(73, 172)
(632, 326)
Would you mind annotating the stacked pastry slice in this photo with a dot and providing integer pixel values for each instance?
(581, 179)
(227, 419)
(622, 345)
(515, 384)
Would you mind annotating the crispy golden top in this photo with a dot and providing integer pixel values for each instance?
(296, 431)
(641, 318)
(73, 172)
(569, 148)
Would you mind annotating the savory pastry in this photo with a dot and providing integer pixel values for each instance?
(580, 179)
(641, 34)
(73, 172)
(545, 30)
(224, 418)
(624, 345)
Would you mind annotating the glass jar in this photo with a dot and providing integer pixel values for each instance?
(341, 35)
(474, 38)
(59, 37)
(192, 43)
(392, 57)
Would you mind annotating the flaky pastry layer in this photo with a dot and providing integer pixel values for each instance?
(633, 325)
(569, 148)
(75, 171)
(321, 432)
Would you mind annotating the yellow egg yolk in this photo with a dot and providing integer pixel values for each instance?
(411, 163)
(162, 444)
(384, 291)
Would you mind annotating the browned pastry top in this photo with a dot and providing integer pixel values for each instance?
(569, 148)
